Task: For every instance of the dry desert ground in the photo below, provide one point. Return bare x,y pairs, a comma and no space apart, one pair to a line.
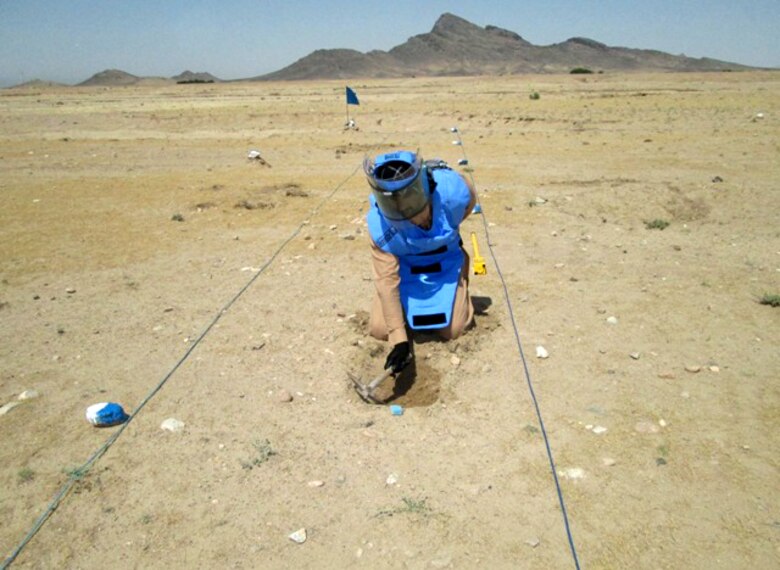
145,260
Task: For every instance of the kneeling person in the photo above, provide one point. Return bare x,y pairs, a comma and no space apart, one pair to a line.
420,269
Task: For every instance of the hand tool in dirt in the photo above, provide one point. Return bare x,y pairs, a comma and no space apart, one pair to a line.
366,391
479,261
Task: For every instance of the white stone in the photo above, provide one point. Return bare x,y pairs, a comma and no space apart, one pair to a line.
612,320
541,352
608,461
572,473
299,536
8,407
598,430
455,361
172,425
28,395
392,479
316,483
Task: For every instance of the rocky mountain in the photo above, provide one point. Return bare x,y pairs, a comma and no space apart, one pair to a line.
457,47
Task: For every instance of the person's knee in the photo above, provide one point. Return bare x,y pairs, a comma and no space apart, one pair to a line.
454,330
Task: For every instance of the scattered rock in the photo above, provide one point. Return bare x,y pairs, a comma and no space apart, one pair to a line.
8,407
541,352
693,369
666,375
70,290
714,369
612,320
455,361
283,396
635,355
28,395
598,430
608,461
316,483
392,479
299,536
249,205
172,425
572,473
533,542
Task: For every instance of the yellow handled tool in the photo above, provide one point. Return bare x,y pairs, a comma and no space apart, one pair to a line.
479,261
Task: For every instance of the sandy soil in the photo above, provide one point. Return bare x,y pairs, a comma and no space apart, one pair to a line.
102,294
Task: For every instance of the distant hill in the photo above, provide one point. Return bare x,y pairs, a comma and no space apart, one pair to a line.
39,84
195,77
457,47
111,77
453,47
116,77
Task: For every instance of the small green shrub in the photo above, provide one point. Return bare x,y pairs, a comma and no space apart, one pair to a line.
581,70
263,452
534,96
411,506
26,475
771,299
657,224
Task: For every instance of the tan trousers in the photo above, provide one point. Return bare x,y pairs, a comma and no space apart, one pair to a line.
462,310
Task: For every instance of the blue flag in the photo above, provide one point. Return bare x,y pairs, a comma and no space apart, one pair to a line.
352,97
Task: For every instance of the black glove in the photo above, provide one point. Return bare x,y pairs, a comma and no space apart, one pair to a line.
398,357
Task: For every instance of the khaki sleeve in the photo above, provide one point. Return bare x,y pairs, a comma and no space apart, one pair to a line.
387,281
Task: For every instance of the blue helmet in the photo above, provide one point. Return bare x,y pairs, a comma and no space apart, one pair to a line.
399,183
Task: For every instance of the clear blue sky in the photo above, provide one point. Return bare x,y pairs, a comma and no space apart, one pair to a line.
70,40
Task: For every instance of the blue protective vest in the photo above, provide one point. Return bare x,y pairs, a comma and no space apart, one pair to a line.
430,261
